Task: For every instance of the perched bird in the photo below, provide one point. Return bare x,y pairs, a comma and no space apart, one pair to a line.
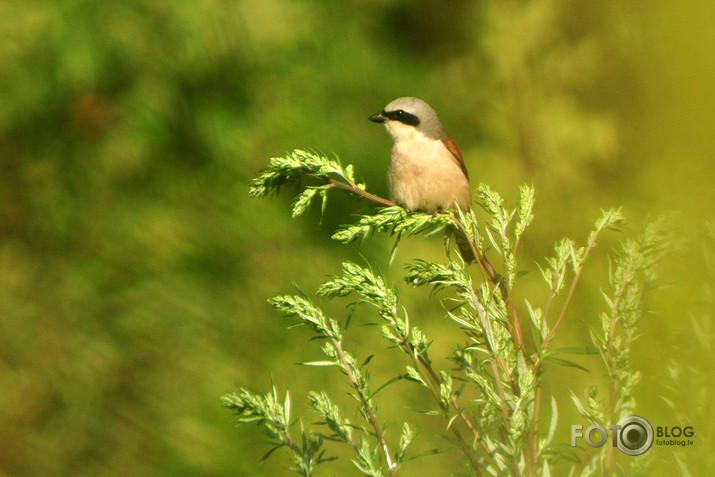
426,171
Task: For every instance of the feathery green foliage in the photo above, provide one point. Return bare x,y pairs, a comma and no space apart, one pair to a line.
393,220
274,416
492,396
293,166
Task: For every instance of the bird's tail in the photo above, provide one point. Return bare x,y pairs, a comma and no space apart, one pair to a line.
470,254
464,245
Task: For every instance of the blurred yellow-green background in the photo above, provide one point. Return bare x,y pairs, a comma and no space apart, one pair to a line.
134,269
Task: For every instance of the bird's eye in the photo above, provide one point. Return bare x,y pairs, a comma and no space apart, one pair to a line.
402,116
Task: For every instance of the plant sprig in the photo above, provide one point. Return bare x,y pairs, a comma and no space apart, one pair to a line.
491,398
299,164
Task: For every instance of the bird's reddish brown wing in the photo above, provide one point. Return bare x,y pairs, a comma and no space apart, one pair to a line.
456,153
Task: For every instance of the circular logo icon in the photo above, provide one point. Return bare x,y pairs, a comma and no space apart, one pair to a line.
635,435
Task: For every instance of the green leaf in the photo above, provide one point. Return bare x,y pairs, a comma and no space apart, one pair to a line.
524,209
565,362
286,407
537,324
426,453
554,421
579,406
573,350
390,381
349,173
367,360
407,435
302,203
319,363
323,203
271,451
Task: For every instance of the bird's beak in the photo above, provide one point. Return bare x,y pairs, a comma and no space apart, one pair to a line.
377,118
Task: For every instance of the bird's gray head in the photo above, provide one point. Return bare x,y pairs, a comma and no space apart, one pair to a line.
408,116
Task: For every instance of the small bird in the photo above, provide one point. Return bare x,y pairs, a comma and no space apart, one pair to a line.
426,171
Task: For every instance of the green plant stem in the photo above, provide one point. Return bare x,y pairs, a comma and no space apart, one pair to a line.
421,364
431,379
537,365
613,384
494,362
481,312
517,329
532,442
500,389
458,408
365,401
572,289
490,274
294,447
549,303
549,336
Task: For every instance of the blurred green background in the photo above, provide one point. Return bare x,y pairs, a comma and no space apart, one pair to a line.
134,269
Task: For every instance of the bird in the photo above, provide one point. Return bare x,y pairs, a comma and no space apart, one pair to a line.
426,171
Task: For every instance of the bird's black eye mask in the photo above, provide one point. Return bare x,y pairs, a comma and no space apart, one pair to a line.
402,116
